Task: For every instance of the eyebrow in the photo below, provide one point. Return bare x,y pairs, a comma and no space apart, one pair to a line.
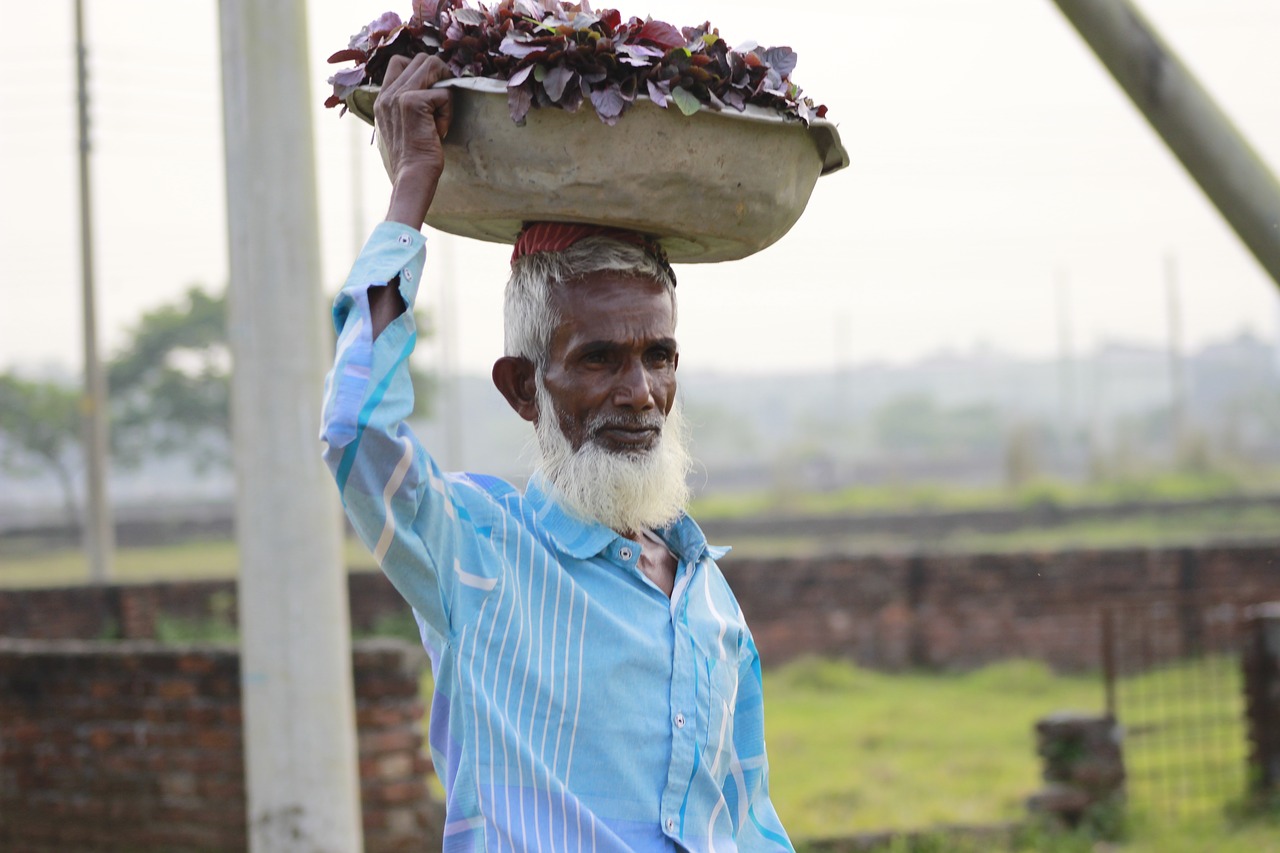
606,344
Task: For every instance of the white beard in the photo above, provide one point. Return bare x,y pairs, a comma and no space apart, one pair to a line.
627,492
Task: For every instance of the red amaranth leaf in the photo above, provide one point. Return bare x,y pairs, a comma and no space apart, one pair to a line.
348,55
470,17
780,59
554,53
519,100
661,33
658,92
609,103
557,80
520,46
347,81
384,25
428,11
520,76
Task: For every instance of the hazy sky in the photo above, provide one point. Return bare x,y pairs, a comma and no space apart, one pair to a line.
992,155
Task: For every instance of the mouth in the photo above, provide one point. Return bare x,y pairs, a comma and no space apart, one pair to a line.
622,437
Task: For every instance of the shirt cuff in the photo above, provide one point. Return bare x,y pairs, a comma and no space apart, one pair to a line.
393,250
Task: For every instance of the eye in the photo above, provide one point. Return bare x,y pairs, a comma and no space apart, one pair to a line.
659,356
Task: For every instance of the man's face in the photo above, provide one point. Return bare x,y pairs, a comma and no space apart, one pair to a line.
611,371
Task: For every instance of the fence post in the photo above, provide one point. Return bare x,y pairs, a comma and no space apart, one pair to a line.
1262,696
1083,770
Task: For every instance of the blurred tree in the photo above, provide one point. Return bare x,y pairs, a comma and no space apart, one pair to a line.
171,383
40,424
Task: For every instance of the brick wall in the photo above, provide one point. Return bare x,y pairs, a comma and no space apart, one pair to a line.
958,611
130,611
131,746
941,611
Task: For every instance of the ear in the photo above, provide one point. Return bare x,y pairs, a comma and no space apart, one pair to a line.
513,376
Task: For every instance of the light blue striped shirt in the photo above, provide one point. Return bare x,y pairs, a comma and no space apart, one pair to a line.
577,707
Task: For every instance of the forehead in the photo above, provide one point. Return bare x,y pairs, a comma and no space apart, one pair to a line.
613,306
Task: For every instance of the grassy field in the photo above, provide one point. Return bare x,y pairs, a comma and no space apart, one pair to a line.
1157,529
23,564
1166,486
857,751
853,751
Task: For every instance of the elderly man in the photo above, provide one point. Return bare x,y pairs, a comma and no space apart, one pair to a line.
596,686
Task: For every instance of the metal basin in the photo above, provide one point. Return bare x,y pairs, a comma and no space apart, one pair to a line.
714,186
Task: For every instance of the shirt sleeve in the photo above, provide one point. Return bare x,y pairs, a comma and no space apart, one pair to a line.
393,492
761,830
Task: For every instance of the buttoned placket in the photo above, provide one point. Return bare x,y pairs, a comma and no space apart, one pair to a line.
684,697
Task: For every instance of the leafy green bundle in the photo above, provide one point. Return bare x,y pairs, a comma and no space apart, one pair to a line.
552,53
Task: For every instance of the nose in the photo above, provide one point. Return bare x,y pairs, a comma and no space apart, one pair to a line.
634,389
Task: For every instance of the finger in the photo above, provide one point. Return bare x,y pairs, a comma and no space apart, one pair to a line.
427,74
426,105
439,104
396,71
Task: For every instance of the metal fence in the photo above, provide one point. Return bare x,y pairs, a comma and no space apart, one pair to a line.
1174,682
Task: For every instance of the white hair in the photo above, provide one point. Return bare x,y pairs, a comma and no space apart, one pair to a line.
627,492
529,311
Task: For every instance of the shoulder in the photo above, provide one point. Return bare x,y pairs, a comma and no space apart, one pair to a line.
495,488
482,494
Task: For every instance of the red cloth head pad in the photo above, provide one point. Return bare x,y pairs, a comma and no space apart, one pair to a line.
558,236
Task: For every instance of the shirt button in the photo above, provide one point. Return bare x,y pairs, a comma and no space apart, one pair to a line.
671,825
405,240
679,721
624,553
408,275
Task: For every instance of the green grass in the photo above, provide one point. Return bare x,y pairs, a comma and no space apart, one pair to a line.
1165,529
1159,486
853,751
856,751
1155,529
23,564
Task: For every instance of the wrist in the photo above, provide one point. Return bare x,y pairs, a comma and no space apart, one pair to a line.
411,197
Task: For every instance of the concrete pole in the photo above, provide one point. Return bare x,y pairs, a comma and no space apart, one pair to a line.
359,142
300,751
1229,171
453,432
1177,367
1066,368
99,527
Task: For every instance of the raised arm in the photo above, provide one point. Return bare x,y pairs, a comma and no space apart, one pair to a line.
396,497
413,119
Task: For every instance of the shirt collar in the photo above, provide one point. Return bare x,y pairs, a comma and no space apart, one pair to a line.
582,538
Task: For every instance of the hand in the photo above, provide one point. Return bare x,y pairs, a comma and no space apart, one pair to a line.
413,119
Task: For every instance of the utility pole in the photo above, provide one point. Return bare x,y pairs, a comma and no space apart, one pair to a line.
99,528
299,718
1177,366
1066,369
1210,147
359,143
453,435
